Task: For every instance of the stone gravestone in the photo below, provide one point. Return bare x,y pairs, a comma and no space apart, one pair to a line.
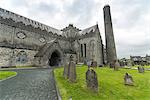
94,64
112,65
91,80
72,70
116,65
89,63
66,74
128,80
141,69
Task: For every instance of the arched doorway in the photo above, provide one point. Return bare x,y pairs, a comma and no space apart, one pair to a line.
55,59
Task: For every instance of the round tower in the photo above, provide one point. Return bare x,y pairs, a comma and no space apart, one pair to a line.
109,36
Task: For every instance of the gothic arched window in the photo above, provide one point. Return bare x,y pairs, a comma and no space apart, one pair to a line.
92,47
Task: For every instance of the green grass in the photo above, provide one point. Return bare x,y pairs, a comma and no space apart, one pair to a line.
111,85
136,66
146,66
6,74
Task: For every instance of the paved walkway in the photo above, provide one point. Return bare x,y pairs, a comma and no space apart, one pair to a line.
29,84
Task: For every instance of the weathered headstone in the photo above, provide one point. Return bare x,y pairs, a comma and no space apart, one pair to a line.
116,65
66,74
112,65
128,80
141,69
91,80
89,63
72,70
94,64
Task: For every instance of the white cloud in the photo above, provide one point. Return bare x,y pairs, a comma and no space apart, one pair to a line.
130,19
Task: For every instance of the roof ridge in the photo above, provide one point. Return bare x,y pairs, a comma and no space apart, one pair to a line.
89,29
27,21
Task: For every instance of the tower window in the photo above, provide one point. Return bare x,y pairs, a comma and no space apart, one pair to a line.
81,50
84,50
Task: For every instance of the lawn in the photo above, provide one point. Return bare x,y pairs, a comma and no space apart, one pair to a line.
136,66
6,74
111,85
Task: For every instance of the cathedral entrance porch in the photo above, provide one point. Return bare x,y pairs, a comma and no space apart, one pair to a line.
55,59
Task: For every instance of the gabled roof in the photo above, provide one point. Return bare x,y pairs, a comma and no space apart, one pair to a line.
44,48
88,30
5,14
70,31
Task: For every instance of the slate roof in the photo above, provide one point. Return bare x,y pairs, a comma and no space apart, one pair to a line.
139,58
88,30
5,14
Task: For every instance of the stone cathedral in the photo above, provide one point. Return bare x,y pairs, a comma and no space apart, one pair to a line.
25,42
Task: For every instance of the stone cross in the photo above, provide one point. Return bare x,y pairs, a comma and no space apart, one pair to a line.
128,80
91,80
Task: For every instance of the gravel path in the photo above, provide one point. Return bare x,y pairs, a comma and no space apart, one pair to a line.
29,84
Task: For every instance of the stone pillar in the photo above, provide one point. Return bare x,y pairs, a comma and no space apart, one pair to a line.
110,42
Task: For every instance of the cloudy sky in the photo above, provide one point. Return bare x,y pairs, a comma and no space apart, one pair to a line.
131,19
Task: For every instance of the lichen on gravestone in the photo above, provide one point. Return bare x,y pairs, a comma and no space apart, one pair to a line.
128,80
70,70
141,69
91,80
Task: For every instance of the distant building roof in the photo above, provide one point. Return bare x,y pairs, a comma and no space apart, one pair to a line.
136,58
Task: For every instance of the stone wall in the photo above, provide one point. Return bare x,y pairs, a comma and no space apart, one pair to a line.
16,57
22,38
5,56
93,48
20,41
18,46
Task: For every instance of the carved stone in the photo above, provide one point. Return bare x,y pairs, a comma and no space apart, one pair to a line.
94,64
91,80
70,69
141,69
66,74
128,80
116,65
72,72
